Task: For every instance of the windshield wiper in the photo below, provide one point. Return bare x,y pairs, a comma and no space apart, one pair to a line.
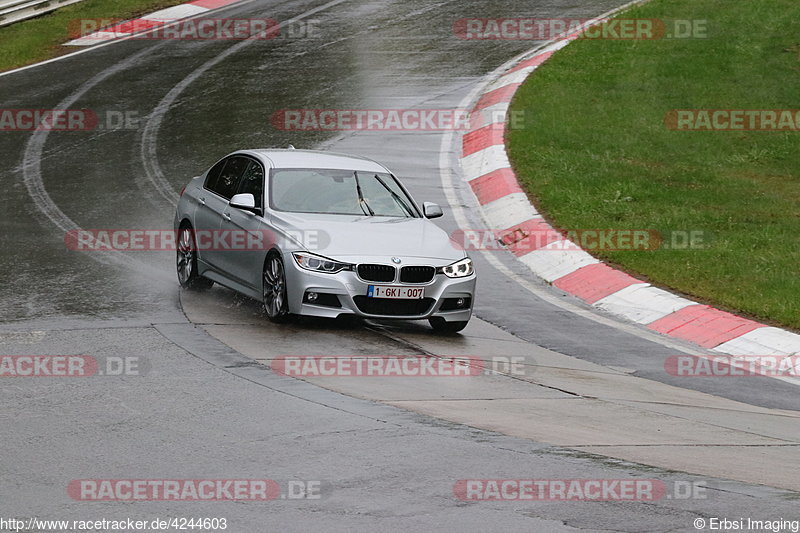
396,197
361,202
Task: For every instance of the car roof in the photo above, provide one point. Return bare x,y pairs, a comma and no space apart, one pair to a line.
292,158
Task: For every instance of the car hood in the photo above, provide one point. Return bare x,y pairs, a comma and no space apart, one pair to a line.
347,237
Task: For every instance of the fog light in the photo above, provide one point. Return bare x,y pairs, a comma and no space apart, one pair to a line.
460,302
311,296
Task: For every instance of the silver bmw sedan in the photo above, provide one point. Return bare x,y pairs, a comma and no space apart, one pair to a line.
321,234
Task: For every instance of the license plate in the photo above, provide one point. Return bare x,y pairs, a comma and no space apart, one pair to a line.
396,293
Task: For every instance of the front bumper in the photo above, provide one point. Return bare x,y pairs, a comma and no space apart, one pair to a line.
351,292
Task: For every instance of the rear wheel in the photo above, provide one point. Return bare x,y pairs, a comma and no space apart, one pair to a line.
441,325
186,261
276,302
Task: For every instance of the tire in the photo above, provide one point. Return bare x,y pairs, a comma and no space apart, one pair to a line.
274,295
440,325
186,261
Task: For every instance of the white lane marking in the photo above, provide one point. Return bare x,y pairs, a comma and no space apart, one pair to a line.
32,178
543,293
32,158
149,140
101,45
447,175
783,341
448,183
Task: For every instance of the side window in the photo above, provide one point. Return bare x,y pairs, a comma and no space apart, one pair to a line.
213,175
253,182
228,179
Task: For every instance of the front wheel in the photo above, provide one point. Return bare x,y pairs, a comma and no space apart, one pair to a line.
441,325
186,262
276,302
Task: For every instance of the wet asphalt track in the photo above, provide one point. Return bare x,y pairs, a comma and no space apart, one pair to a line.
201,412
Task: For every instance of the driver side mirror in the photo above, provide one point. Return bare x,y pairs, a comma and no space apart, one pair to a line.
245,202
431,210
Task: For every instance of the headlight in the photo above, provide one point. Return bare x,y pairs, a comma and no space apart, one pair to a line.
459,269
317,263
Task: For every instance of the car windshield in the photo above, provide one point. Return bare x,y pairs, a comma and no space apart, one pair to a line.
339,192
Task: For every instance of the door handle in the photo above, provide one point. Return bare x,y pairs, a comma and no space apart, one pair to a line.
226,216
203,200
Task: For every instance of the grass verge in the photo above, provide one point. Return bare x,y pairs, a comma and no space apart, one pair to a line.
597,153
40,38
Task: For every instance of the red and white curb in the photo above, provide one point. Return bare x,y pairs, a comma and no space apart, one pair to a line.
505,208
150,21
